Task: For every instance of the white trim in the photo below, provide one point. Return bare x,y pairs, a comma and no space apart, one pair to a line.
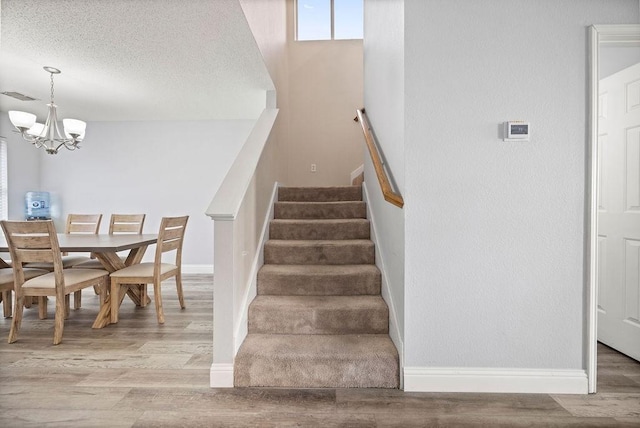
617,35
197,269
461,379
592,250
242,324
4,180
221,376
394,326
356,172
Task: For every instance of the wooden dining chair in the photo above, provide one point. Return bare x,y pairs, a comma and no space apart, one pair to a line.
76,224
37,242
81,224
119,224
7,286
170,239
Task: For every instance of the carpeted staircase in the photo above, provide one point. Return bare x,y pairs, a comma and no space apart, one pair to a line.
318,319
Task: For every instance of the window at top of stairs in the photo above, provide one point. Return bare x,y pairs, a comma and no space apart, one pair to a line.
329,19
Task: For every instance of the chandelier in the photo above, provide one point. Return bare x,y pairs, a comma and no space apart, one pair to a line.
48,136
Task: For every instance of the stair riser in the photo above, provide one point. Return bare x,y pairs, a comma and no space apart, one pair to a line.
320,194
329,372
318,285
264,320
320,254
289,210
304,230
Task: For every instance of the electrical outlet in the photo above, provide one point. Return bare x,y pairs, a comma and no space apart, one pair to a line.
313,167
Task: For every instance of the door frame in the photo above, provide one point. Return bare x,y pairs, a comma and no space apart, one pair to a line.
608,35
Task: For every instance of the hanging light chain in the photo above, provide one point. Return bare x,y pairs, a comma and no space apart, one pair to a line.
51,88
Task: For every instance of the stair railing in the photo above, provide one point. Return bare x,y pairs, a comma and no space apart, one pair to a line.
240,209
387,191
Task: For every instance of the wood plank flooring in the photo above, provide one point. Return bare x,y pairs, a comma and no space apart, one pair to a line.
141,374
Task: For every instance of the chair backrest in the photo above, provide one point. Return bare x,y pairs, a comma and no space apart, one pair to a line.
83,223
126,223
170,238
33,242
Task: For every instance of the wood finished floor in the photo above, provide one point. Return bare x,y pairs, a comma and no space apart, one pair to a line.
141,374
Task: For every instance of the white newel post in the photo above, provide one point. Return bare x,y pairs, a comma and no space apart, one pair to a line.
221,375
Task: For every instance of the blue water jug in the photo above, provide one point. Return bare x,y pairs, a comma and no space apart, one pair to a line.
37,206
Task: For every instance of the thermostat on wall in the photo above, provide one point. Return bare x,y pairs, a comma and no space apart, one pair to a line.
516,131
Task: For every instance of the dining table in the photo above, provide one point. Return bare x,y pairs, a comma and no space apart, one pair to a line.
105,247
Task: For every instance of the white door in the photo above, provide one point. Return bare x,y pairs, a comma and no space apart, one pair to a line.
619,211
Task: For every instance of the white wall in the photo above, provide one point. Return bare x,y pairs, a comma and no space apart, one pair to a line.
159,168
319,87
23,168
495,231
268,22
384,104
325,90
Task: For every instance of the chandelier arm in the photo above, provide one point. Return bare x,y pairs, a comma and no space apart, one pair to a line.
67,144
27,137
39,143
62,144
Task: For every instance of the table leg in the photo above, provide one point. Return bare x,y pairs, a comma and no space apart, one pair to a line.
112,263
104,315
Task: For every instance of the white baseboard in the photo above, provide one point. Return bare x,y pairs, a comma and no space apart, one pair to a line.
530,381
197,269
355,173
221,376
394,326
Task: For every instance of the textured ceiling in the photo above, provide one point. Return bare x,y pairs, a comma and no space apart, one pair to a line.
132,59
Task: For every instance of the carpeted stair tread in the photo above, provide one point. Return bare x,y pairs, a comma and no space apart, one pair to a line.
357,228
318,252
318,320
319,280
320,194
317,361
318,315
320,210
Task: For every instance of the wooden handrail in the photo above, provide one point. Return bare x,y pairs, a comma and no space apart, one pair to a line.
387,191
